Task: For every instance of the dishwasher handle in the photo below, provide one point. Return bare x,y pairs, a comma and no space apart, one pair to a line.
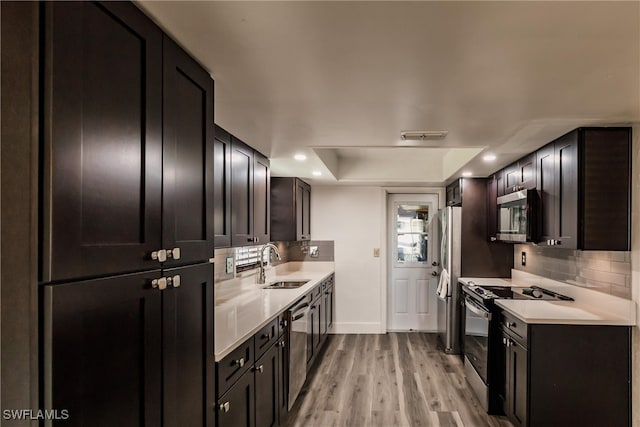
300,312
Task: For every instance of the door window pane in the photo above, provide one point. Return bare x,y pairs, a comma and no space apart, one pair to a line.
412,233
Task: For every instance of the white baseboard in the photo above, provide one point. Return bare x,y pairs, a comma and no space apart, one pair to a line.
357,328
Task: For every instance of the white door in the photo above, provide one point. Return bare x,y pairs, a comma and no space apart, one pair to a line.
412,285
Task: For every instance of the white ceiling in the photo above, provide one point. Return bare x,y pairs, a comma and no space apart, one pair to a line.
334,79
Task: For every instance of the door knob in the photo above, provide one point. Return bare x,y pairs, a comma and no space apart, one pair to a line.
434,264
434,273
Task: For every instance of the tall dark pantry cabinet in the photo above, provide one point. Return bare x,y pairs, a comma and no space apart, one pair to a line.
126,226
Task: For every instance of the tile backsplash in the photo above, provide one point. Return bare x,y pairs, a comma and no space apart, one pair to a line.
604,271
289,251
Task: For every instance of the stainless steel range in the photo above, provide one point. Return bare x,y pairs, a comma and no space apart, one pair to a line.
483,360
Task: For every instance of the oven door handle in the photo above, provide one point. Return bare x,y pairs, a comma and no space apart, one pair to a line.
475,308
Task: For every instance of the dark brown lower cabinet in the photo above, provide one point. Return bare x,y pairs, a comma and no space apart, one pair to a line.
566,375
515,399
236,408
259,396
267,375
121,352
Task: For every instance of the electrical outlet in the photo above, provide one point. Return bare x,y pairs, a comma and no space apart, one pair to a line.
229,268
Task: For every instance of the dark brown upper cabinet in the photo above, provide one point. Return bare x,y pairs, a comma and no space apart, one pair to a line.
585,186
290,209
222,187
102,177
250,194
188,146
520,175
454,193
492,208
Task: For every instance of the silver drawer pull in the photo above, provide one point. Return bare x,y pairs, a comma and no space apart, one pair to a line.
267,336
160,256
259,368
225,407
174,253
160,283
239,362
511,324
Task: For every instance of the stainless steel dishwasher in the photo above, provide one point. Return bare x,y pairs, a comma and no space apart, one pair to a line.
298,316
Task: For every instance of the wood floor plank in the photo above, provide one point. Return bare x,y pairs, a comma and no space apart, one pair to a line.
395,379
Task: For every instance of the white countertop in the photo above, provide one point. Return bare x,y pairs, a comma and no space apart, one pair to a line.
242,306
589,308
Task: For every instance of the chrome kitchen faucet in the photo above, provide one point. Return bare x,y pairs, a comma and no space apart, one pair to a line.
261,276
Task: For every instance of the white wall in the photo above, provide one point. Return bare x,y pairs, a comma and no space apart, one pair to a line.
635,273
353,218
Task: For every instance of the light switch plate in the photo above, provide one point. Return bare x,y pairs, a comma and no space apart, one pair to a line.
229,267
376,252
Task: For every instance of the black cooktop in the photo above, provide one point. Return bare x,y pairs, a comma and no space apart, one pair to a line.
486,294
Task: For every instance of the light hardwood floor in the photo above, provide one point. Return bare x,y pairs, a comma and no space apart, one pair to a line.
396,379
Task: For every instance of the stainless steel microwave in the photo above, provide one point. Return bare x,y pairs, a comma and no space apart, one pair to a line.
518,216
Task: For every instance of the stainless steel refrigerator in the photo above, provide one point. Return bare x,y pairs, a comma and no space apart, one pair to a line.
450,226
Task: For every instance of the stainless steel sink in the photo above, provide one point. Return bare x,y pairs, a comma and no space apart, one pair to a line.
286,284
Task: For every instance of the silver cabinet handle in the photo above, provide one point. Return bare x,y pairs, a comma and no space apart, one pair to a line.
173,253
160,255
282,344
174,281
267,336
493,239
259,368
511,324
239,362
160,283
225,407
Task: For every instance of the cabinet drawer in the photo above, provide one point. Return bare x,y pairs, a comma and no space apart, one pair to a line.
265,337
230,368
514,327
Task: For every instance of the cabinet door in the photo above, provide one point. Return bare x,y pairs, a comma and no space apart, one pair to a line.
306,212
188,354
566,152
283,377
324,321
492,208
330,308
512,178
103,140
518,387
515,382
236,408
311,332
267,373
187,195
527,172
103,347
222,188
500,183
299,206
545,158
261,197
241,193
317,322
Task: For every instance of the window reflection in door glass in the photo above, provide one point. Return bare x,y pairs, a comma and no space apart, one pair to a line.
412,233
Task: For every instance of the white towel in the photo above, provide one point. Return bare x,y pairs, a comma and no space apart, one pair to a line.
443,285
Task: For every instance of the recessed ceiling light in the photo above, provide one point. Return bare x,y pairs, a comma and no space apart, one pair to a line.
300,157
489,157
316,173
467,173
